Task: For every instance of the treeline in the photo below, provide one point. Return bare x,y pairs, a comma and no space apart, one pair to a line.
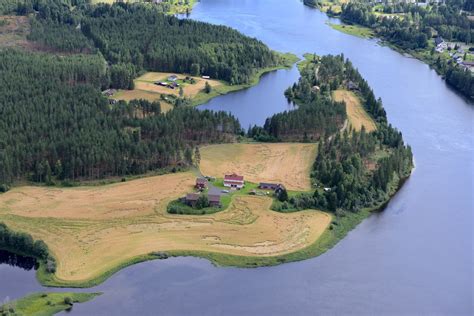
417,25
56,125
141,36
317,115
25,244
353,170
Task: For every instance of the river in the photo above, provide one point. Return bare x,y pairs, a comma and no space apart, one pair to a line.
416,257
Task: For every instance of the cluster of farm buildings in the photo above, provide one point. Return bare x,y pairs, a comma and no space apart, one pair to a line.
232,181
456,53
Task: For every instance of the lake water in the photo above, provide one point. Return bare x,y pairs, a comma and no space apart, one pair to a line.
416,257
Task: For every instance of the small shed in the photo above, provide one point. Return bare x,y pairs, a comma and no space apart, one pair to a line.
201,183
172,78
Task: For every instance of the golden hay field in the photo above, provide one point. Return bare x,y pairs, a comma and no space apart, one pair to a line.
146,89
356,113
91,230
287,163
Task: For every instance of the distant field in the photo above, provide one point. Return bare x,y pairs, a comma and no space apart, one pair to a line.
287,163
92,230
146,89
355,111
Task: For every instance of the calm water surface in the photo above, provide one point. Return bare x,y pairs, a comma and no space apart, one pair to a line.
414,258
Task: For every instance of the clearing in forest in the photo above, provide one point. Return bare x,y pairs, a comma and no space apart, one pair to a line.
356,113
13,31
145,88
92,230
286,163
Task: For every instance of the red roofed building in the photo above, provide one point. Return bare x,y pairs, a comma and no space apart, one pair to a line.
234,181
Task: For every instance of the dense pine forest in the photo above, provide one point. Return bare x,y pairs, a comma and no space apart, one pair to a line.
353,169
56,125
412,27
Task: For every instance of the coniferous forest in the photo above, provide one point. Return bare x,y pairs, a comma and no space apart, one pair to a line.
353,169
56,125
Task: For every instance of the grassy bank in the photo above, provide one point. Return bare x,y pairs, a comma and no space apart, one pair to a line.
355,30
45,304
287,61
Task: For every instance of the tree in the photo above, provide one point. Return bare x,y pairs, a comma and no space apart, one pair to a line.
207,88
188,156
283,195
197,156
202,202
181,92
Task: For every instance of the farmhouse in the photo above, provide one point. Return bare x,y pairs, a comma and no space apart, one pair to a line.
234,181
201,183
191,198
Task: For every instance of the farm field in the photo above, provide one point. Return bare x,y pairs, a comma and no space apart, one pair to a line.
356,113
93,230
286,163
145,88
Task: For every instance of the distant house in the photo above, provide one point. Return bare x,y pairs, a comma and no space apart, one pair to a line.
172,78
234,181
206,77
438,40
109,92
270,186
214,200
192,198
201,183
352,85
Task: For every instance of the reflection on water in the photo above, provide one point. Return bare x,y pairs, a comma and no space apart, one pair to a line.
14,260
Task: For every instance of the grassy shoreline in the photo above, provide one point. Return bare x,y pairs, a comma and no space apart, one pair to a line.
46,304
337,230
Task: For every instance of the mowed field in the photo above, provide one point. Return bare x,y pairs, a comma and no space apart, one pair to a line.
92,230
356,113
145,88
287,163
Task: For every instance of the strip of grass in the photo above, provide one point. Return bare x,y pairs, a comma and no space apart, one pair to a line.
45,304
355,30
287,61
